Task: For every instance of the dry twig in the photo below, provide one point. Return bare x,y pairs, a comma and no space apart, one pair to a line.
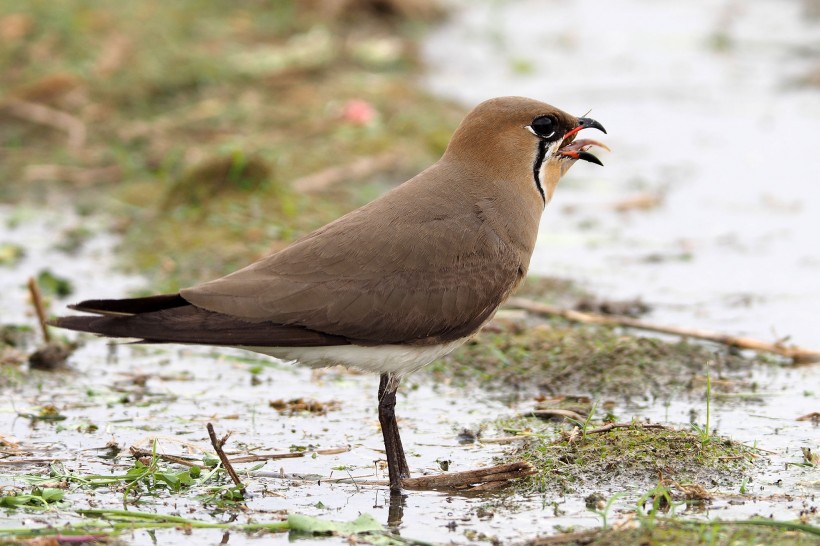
611,426
577,537
359,169
33,460
547,413
692,491
78,176
504,439
51,117
137,452
37,301
289,455
799,355
224,458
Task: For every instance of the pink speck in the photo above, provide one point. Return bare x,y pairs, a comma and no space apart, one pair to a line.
359,112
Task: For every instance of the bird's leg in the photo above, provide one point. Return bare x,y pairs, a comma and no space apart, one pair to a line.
396,462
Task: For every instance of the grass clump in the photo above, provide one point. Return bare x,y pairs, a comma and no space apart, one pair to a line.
558,357
719,533
635,455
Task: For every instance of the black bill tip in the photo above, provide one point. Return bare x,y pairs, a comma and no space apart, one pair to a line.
589,123
586,156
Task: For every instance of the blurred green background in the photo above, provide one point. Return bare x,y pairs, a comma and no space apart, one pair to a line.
209,125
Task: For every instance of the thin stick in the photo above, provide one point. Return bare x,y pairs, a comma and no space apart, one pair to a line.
357,170
578,537
546,413
504,439
51,117
274,456
611,426
34,460
137,452
271,456
799,355
224,458
78,176
37,301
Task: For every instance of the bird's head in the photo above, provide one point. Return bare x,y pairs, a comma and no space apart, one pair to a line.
525,140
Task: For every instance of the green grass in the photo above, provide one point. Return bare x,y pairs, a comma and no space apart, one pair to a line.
199,116
704,432
557,357
100,524
696,533
569,462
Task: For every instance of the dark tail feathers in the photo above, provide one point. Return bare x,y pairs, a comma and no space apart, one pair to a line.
170,319
131,306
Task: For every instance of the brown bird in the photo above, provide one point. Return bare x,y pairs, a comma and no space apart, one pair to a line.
395,284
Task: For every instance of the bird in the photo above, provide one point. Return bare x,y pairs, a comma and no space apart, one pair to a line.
393,285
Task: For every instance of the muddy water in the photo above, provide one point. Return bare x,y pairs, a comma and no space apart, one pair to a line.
40,233
703,113
188,387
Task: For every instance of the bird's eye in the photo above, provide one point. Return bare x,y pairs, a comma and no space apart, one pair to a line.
544,126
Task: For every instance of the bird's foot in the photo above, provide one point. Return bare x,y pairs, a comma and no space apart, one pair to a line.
480,479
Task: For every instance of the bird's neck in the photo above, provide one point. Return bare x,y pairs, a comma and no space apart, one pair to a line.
507,201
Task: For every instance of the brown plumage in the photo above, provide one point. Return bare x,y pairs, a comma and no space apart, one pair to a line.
396,283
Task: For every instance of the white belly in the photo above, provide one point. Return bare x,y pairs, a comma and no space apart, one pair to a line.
395,359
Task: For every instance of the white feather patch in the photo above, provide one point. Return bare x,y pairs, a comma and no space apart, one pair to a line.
396,359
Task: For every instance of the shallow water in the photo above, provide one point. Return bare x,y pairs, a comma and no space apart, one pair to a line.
190,387
187,387
702,110
40,232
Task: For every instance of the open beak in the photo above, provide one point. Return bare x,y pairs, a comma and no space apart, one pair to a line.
577,149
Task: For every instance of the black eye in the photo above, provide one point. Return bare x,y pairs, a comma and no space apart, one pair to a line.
544,126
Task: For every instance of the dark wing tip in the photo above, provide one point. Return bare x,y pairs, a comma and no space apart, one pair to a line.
130,306
91,324
198,326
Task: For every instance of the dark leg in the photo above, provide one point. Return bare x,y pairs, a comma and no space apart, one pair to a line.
396,462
